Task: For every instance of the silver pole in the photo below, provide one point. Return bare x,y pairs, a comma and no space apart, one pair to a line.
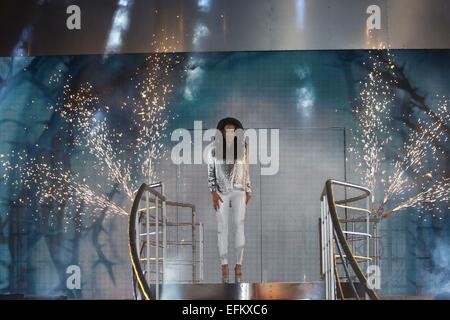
368,240
201,250
164,225
157,247
331,256
147,226
327,249
368,229
138,235
193,247
138,249
322,226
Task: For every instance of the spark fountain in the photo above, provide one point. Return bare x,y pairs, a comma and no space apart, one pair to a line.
417,177
86,117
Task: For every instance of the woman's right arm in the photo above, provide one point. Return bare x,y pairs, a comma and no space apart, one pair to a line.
212,181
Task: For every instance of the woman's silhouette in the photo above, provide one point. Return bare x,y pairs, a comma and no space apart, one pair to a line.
229,183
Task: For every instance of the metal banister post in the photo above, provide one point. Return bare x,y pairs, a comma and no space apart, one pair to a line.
201,250
157,248
147,238
194,276
368,239
137,228
331,256
164,227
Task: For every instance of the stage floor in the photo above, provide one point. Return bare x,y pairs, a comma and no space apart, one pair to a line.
242,291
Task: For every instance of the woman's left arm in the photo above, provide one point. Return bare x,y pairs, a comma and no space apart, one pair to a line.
248,184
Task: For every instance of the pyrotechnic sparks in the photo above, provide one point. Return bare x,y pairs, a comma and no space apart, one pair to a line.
94,137
423,147
50,182
416,176
123,163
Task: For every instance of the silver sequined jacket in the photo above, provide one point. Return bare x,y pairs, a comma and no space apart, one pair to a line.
224,181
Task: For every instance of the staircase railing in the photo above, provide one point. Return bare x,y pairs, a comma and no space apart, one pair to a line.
147,232
337,242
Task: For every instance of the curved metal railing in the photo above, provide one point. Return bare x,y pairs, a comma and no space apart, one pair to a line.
132,242
135,248
334,238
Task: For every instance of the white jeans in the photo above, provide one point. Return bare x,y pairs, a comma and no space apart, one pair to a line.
232,202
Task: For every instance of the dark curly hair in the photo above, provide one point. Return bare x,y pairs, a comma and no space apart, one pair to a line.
221,127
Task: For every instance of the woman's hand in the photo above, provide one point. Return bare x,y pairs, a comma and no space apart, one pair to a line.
247,197
216,200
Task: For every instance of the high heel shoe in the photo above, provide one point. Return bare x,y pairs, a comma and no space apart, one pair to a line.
238,273
225,274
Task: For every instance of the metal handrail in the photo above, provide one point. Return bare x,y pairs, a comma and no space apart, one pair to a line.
172,203
137,269
138,273
349,185
339,234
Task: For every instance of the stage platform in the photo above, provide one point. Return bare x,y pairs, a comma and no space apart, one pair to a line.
242,291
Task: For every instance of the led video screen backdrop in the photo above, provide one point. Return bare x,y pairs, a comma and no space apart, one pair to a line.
80,134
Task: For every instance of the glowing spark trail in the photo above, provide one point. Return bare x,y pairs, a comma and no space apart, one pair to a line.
122,163
416,177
